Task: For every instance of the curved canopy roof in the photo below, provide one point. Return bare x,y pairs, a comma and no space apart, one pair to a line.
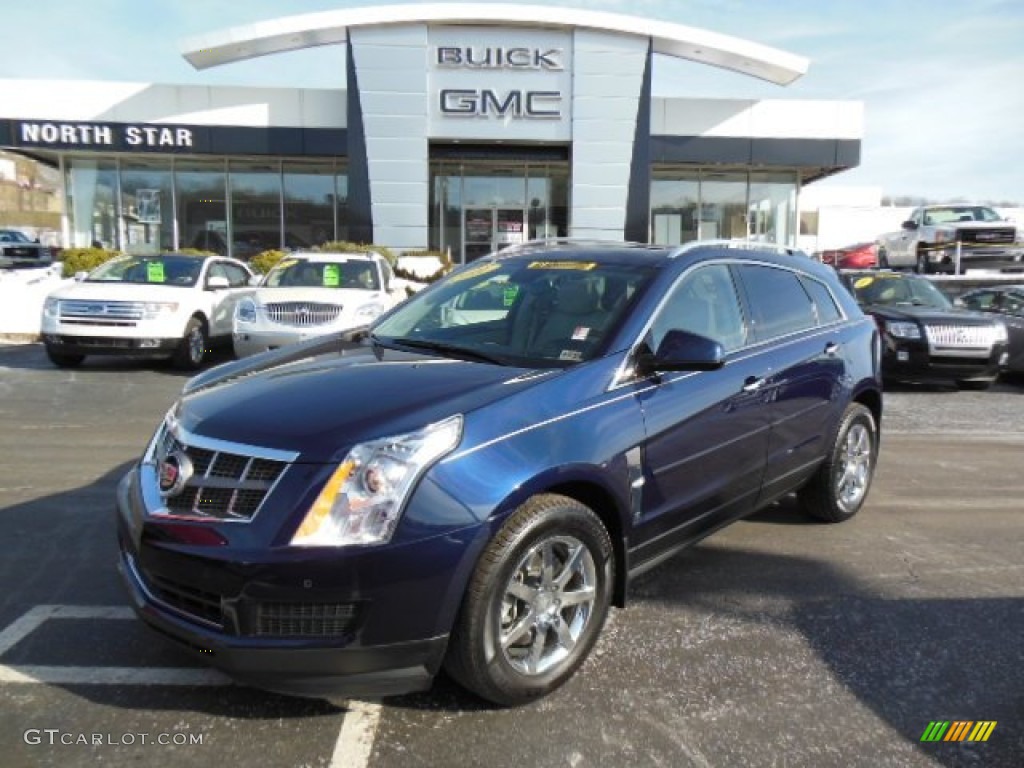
292,33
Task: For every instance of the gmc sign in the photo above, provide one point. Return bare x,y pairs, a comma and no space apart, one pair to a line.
486,103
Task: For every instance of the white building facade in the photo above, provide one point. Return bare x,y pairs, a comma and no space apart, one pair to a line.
460,128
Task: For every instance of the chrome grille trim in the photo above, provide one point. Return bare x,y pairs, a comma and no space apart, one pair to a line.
115,313
302,314
960,339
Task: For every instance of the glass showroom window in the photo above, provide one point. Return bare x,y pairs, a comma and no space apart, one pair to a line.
202,208
147,208
91,186
255,207
773,207
723,206
674,207
309,204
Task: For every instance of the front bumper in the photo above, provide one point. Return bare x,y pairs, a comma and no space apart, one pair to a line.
308,622
109,345
248,343
943,258
911,360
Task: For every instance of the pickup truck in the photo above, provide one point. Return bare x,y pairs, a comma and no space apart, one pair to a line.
929,240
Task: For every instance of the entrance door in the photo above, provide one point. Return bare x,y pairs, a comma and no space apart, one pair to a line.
485,230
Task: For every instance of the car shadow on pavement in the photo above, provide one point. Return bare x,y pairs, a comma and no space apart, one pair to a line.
31,357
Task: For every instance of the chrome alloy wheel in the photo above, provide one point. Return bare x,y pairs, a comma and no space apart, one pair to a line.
196,345
547,604
855,466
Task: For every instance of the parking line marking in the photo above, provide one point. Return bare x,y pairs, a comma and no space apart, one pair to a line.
355,741
31,620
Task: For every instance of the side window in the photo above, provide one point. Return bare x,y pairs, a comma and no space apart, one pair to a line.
983,300
216,270
1013,304
778,302
237,277
828,312
703,302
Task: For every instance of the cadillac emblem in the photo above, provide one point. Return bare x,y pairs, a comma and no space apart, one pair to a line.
174,471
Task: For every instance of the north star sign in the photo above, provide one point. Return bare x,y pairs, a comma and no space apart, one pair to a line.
488,102
91,135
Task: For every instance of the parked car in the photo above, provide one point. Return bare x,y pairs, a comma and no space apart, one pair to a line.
857,256
1007,303
312,294
171,305
348,514
18,250
925,338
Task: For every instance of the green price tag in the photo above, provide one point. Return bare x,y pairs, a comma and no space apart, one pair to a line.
511,291
155,272
332,275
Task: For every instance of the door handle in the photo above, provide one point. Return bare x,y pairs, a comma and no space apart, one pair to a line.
752,384
831,349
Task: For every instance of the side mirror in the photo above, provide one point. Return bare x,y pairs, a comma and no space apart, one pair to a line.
683,351
958,302
80,276
217,283
911,225
255,280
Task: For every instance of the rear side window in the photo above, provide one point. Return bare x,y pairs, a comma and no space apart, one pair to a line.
828,312
778,302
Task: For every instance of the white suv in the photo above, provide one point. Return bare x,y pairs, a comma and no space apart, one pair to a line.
311,294
173,305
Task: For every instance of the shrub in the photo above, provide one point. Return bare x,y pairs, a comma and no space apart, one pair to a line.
340,246
264,261
194,252
84,259
417,276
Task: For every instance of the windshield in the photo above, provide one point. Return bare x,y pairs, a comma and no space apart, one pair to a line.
518,311
11,236
893,290
180,271
343,273
954,213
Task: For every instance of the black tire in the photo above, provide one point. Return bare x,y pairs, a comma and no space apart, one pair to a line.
63,359
505,591
883,258
193,347
977,386
833,494
921,266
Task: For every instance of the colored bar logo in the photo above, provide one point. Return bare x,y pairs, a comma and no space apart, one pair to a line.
958,730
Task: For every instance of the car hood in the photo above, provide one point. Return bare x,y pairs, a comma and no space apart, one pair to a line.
355,297
320,407
928,314
121,292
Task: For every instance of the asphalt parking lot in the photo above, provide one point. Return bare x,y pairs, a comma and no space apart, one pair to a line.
775,642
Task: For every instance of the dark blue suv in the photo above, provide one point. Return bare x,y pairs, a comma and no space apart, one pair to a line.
473,481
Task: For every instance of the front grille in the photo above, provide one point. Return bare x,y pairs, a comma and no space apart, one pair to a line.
105,342
951,339
185,599
992,236
303,314
224,485
304,619
109,313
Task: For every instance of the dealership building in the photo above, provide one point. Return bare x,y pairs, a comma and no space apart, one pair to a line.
455,127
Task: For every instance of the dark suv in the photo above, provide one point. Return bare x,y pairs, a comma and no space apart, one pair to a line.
473,481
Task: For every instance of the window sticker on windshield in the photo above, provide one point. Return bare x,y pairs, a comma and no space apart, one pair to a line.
864,282
332,275
581,265
155,272
509,295
580,334
571,354
469,274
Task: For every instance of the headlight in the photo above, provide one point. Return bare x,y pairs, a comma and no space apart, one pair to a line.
245,311
903,330
1002,336
369,312
361,502
51,307
945,235
153,309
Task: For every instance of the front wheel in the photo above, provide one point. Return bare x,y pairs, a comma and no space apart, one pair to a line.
63,359
535,604
838,489
193,346
921,267
883,258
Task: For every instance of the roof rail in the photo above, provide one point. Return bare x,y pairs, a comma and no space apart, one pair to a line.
542,241
747,245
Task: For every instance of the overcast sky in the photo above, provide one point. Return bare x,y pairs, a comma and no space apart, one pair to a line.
942,81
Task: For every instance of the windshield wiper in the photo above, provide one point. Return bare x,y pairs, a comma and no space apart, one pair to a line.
452,350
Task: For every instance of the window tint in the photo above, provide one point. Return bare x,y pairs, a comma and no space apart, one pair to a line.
704,302
778,303
983,300
237,277
1013,304
828,312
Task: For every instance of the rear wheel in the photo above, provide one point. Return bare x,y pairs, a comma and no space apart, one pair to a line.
192,348
839,487
63,359
535,604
